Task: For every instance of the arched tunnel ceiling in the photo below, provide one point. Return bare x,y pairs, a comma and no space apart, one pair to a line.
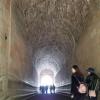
51,28
52,16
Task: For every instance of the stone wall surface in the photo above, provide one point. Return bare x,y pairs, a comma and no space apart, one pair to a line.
88,49
4,44
36,33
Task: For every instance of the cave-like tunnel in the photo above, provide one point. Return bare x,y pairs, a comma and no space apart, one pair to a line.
42,39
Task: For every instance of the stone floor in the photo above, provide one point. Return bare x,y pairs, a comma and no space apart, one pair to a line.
45,97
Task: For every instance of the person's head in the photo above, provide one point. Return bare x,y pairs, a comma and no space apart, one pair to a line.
90,70
75,69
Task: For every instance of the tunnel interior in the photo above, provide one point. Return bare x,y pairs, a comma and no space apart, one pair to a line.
46,38
48,34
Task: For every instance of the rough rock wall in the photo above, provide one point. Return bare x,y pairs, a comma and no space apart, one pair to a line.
88,50
4,43
51,28
21,61
39,25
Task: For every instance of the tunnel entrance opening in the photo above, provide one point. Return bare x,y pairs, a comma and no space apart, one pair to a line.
50,60
46,80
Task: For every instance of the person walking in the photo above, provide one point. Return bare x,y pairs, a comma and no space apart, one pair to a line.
42,89
93,82
53,87
76,78
46,89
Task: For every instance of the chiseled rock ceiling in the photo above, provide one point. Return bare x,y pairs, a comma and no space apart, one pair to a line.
47,23
52,17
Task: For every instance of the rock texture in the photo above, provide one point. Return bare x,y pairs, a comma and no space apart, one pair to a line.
4,45
88,49
38,35
49,31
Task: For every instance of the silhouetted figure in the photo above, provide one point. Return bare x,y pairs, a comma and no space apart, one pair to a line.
93,83
76,77
53,88
46,89
42,89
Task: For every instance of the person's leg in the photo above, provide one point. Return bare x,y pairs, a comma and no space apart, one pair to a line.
92,98
50,91
46,91
97,95
54,90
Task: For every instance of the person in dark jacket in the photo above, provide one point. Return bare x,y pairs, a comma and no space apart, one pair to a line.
46,89
76,77
92,81
53,87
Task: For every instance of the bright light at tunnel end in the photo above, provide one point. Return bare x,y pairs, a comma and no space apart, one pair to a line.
46,80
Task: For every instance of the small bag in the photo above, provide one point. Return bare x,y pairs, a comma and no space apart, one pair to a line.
92,93
82,87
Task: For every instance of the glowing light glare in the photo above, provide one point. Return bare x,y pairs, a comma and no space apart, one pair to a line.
45,65
46,80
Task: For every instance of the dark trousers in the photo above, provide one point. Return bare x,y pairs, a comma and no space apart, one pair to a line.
92,98
79,97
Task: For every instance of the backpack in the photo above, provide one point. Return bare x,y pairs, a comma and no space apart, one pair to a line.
82,88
